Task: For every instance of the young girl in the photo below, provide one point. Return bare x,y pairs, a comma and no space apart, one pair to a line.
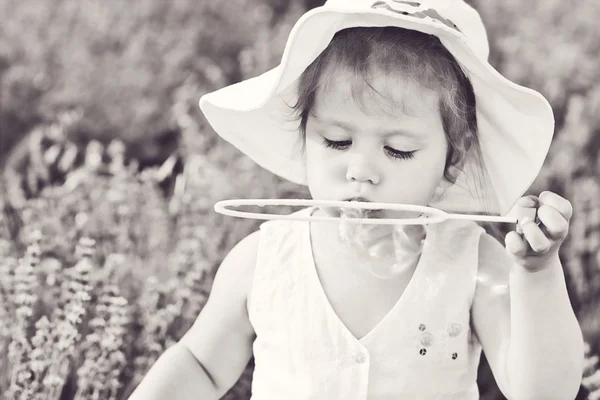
395,103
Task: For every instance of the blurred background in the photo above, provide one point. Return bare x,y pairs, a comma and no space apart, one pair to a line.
108,239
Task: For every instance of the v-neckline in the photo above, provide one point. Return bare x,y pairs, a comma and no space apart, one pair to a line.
309,254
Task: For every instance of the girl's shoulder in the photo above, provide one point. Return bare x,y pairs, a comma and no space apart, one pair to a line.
241,259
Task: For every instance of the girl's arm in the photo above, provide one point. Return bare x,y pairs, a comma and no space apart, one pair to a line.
527,327
521,310
211,356
176,375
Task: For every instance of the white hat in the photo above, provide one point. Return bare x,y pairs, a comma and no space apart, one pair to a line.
516,124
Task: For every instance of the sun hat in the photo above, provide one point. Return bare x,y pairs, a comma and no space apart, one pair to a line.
516,124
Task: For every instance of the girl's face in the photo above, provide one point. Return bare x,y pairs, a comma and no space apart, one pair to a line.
388,149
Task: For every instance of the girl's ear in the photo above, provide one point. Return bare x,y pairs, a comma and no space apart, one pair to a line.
448,179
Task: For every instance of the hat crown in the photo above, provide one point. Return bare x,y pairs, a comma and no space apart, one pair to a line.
455,14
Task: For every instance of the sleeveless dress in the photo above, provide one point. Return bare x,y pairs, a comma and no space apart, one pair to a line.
422,349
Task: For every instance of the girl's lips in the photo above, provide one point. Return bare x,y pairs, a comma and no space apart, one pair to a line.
358,198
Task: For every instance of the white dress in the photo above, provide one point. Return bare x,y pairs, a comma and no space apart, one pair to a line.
422,349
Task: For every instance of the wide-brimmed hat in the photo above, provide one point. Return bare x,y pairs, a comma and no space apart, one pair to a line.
515,123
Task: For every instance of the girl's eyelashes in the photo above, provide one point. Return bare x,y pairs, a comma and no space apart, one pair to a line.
337,144
403,155
345,144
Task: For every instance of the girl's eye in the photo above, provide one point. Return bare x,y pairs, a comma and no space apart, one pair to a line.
337,144
345,144
403,155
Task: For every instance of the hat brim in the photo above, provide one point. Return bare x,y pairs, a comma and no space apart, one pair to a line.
516,124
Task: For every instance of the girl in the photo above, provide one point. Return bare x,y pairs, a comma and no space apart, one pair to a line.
394,101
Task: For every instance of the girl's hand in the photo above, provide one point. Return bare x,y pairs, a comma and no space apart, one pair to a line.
540,240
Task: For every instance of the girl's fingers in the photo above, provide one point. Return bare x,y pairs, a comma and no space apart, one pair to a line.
525,207
562,205
542,231
535,237
554,222
529,201
516,244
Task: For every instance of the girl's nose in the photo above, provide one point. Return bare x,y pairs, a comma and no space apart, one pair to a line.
360,170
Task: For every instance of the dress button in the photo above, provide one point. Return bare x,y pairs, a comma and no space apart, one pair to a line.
454,330
360,358
427,339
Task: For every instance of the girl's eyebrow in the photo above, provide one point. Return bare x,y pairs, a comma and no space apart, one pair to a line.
349,127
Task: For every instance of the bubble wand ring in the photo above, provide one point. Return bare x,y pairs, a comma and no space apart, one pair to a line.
429,215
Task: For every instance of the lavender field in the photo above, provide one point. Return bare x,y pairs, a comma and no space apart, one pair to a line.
109,173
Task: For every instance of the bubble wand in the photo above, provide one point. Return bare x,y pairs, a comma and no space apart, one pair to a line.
426,215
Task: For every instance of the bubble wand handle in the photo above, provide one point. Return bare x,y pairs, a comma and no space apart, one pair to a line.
484,218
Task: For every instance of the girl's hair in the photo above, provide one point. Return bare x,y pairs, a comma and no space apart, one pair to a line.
415,56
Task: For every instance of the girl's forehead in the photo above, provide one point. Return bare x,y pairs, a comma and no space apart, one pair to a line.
391,95
379,104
